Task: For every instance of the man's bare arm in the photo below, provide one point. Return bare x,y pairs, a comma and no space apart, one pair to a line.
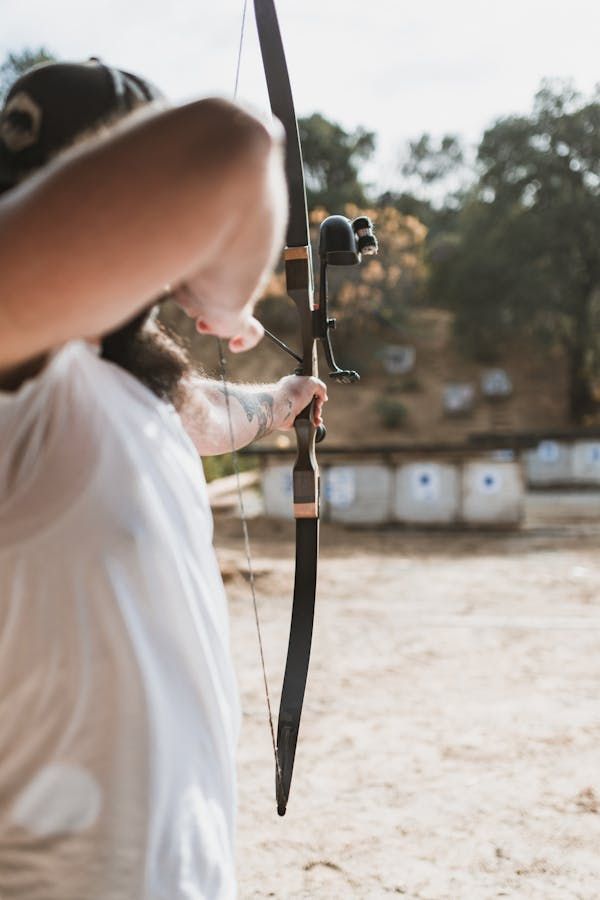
164,197
256,410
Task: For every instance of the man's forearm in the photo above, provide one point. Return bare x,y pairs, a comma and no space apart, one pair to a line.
255,411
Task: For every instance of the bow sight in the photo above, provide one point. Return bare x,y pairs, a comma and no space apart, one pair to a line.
342,242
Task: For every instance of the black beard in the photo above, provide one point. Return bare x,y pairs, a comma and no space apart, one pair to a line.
144,349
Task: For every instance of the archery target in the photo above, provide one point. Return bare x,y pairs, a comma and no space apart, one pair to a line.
425,483
359,494
548,452
550,463
586,462
492,493
426,493
340,487
593,454
277,491
490,481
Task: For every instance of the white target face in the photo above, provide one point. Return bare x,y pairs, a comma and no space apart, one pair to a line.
425,484
340,487
489,481
593,455
548,452
286,483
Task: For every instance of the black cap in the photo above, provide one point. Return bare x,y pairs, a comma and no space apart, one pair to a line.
53,104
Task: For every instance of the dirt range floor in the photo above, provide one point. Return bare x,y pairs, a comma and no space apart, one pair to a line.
450,740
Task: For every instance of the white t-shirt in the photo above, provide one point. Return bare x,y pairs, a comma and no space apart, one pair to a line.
118,704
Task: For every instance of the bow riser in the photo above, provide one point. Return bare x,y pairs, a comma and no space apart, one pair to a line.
299,283
305,476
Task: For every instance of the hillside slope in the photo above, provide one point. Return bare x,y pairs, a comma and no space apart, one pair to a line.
538,402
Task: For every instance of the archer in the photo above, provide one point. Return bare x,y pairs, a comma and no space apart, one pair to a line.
119,704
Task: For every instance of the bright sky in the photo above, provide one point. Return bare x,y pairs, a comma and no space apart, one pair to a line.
396,68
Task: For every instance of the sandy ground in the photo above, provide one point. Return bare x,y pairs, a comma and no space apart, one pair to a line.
450,741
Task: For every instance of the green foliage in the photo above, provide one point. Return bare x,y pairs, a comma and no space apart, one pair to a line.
437,176
369,300
438,219
391,411
410,385
16,64
331,161
379,294
432,163
522,257
221,466
404,384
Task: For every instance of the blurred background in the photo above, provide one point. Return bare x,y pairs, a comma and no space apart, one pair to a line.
450,730
472,140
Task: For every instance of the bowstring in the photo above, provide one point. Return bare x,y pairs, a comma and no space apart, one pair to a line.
236,470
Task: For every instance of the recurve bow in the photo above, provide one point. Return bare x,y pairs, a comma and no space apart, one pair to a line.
342,242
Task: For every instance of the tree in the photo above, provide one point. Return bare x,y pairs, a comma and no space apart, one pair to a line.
370,301
376,296
431,164
524,255
16,64
331,159
437,175
381,293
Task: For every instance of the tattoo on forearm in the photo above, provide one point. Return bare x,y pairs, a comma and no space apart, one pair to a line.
257,406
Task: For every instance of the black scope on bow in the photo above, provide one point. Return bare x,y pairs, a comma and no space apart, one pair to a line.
342,241
365,236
